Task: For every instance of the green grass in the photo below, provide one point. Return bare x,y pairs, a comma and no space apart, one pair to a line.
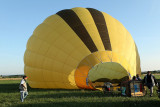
157,76
10,97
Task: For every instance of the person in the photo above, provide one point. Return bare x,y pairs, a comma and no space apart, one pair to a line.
138,77
107,86
134,78
124,87
150,81
23,88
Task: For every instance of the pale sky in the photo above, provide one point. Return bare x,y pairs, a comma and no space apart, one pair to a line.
19,18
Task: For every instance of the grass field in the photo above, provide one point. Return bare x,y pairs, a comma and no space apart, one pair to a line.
157,76
10,97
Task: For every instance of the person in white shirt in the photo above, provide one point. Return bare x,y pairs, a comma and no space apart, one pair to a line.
23,88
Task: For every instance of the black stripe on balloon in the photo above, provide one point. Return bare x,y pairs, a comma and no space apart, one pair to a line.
101,26
71,18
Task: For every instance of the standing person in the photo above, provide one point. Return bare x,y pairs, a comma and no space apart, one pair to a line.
107,86
134,78
150,81
23,88
138,77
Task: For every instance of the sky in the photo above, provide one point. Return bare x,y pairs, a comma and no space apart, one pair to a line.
19,18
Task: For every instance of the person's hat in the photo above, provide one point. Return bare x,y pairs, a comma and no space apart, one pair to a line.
25,77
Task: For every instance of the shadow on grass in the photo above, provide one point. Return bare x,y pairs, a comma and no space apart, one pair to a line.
7,88
14,87
75,93
94,104
55,93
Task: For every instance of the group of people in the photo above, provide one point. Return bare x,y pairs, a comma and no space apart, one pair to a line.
149,81
137,77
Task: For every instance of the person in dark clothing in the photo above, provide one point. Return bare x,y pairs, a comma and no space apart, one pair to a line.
134,78
150,81
138,77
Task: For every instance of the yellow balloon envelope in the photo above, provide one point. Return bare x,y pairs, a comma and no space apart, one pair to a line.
79,46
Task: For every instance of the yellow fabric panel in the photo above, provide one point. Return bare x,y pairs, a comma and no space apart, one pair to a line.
104,56
42,31
37,45
124,63
130,70
92,59
30,58
138,68
34,44
59,72
86,62
52,52
76,54
121,60
121,31
80,77
33,59
132,60
37,75
115,57
128,46
56,22
107,70
58,85
71,78
71,62
34,84
87,20
52,75
51,38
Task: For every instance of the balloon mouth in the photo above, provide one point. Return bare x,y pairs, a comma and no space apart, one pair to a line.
101,66
111,72
108,72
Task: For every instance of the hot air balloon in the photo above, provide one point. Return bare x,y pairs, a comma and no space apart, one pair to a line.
77,47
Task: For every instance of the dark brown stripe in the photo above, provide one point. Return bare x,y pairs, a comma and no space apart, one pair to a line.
101,26
75,23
